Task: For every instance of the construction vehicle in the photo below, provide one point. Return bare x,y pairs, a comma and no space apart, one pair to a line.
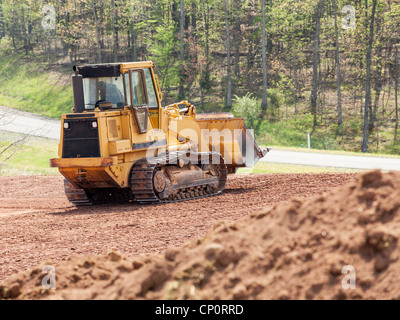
120,144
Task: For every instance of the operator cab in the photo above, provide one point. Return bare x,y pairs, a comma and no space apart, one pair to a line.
105,87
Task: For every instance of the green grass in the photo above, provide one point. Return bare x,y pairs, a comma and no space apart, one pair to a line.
292,133
338,152
31,156
285,125
263,167
28,85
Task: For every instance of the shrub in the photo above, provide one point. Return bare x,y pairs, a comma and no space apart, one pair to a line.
248,108
5,44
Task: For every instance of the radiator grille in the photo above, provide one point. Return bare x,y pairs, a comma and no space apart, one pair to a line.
81,139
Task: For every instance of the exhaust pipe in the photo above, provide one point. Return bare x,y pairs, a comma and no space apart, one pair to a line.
77,86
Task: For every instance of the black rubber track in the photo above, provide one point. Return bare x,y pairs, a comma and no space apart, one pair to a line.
142,179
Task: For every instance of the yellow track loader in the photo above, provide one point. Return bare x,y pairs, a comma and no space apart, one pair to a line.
121,144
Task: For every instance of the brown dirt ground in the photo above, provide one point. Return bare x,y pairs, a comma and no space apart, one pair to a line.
37,222
38,225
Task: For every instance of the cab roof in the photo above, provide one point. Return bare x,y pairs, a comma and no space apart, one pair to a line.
111,69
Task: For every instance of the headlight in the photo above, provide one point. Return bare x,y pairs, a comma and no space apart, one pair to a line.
66,125
94,124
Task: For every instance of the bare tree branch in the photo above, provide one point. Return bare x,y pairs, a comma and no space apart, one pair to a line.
7,116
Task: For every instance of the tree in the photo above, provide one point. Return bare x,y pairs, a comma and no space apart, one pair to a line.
237,39
182,52
368,80
203,32
337,57
2,31
264,103
114,29
228,59
316,60
396,86
97,33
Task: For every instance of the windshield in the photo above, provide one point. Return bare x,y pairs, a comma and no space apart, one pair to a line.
104,89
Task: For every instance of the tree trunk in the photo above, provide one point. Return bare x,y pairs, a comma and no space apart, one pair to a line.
368,85
250,64
315,80
228,59
264,103
13,36
250,50
339,94
194,17
181,25
378,90
25,36
297,89
205,83
134,40
97,32
396,85
2,29
114,30
378,79
237,51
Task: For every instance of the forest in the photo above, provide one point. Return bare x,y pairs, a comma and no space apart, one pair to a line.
328,68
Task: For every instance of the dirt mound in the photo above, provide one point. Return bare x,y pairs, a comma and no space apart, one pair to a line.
296,250
37,223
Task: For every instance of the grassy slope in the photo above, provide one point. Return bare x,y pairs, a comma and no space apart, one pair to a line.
290,129
27,85
31,156
293,133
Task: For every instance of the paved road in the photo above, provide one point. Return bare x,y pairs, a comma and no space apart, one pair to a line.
331,160
27,123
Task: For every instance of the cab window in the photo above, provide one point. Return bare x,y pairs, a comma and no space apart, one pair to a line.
104,89
139,96
150,90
